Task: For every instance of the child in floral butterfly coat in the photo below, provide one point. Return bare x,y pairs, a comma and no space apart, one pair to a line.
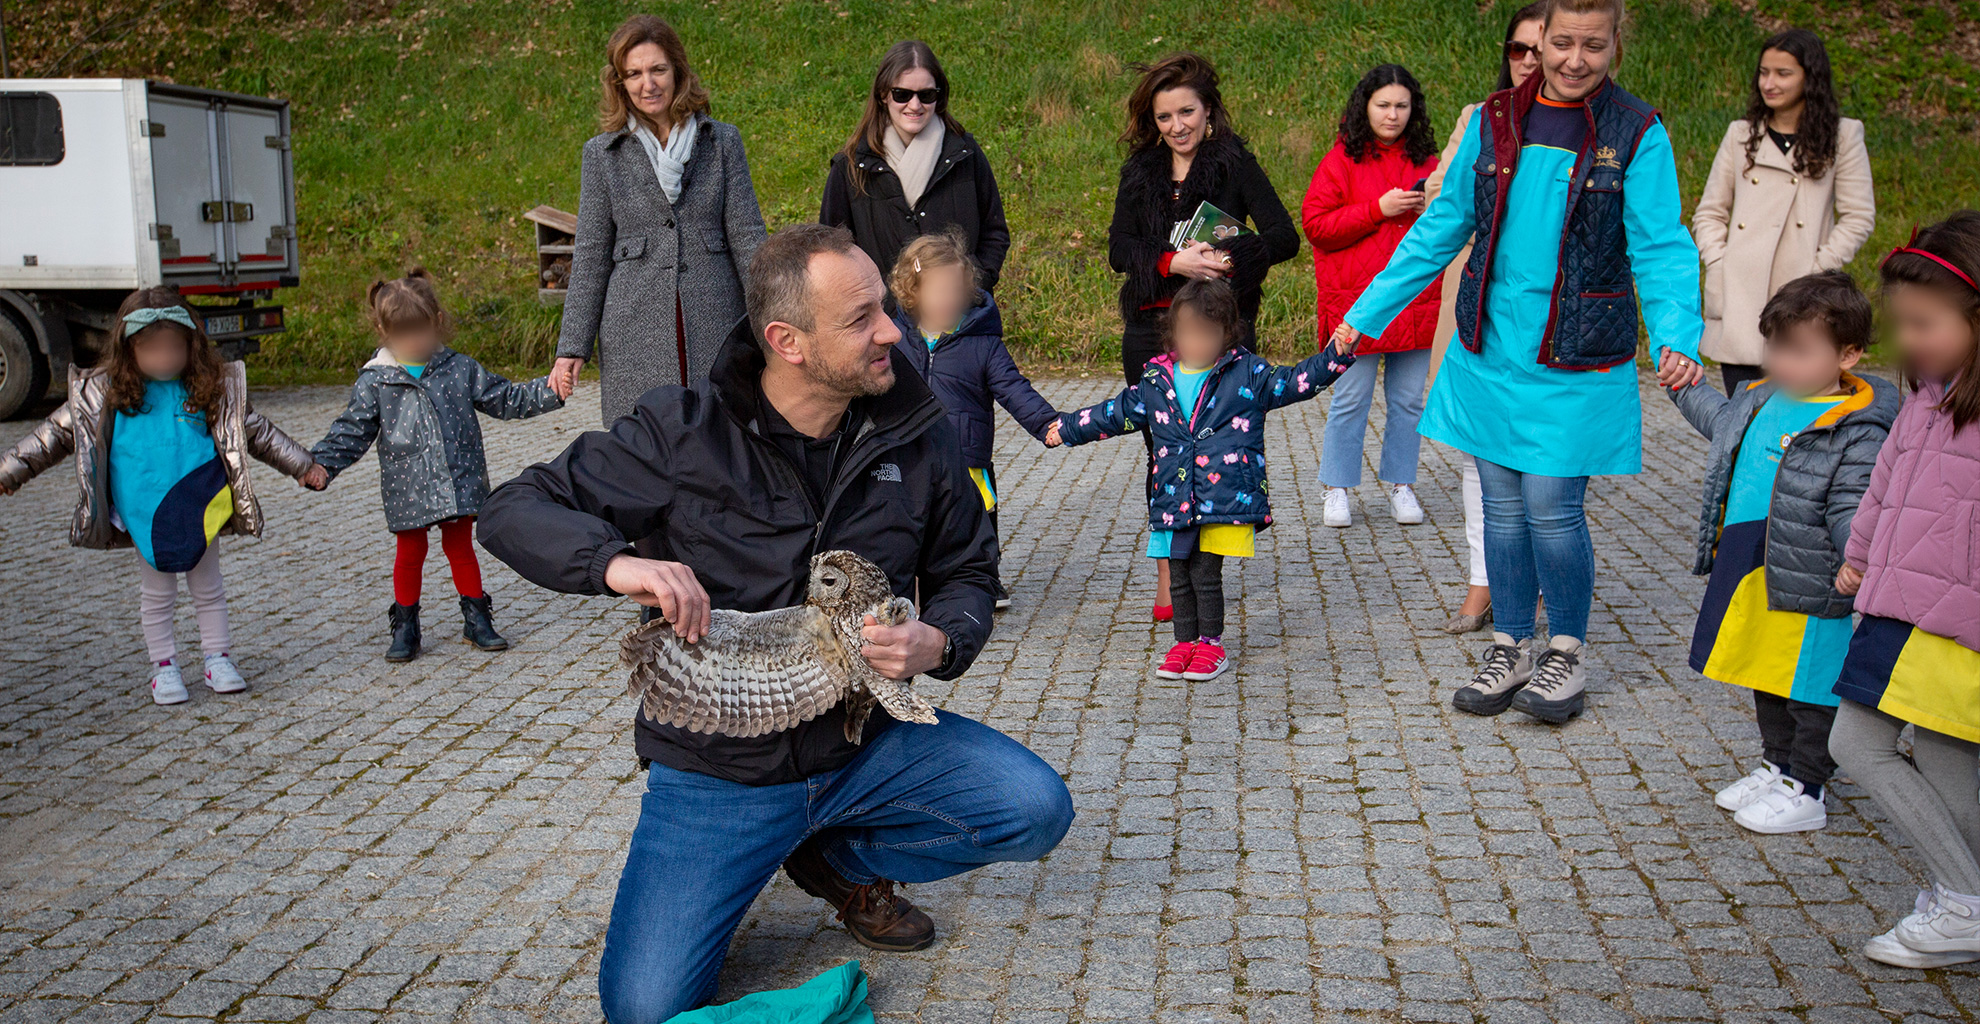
1204,403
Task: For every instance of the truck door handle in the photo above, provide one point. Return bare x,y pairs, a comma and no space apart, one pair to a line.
226,213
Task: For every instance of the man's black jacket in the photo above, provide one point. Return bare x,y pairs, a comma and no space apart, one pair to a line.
691,469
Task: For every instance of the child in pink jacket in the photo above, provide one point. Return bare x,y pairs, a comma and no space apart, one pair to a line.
1913,562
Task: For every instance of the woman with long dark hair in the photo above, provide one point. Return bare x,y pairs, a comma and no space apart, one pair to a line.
910,169
667,223
1365,195
1182,153
1789,194
1519,58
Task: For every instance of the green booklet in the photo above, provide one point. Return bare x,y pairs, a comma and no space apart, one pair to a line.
1209,224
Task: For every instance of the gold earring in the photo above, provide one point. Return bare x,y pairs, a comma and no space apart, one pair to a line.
1209,130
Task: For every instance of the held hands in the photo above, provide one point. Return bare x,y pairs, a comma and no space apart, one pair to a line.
1346,339
1848,580
314,478
1676,372
1052,439
668,586
1201,262
564,378
1398,202
903,651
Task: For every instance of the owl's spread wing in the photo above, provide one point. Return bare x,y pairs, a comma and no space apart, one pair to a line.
754,673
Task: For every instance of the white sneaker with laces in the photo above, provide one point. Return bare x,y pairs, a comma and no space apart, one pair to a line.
1951,925
1334,509
1404,506
167,686
222,676
1748,789
1784,807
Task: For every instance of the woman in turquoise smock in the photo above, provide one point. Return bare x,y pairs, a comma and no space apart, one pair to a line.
1570,185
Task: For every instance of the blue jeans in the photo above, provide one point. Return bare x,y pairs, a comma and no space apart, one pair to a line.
920,803
1347,419
1536,542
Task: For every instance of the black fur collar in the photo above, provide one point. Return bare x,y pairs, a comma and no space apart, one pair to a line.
1145,179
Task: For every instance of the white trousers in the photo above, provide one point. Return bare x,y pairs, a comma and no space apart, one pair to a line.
1474,521
158,593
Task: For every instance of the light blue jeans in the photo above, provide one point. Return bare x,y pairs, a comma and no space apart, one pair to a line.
1536,541
1347,419
919,803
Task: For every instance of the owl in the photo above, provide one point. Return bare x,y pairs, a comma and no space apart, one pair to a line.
763,672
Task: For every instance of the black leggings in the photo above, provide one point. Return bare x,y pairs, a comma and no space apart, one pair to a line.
1196,585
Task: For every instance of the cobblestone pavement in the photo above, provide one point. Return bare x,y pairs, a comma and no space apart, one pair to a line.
1318,837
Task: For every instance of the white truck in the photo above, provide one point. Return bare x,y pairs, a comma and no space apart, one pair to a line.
109,185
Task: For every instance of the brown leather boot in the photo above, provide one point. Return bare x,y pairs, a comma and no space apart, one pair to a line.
877,916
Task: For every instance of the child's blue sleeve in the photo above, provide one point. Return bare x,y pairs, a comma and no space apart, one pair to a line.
1284,385
350,436
1123,414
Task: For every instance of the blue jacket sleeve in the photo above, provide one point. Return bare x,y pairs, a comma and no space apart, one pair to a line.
1123,414
1431,244
1014,392
1305,379
1661,252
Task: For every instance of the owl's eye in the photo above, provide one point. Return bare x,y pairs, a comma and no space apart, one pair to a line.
831,581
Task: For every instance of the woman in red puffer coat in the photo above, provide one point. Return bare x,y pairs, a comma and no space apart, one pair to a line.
1365,195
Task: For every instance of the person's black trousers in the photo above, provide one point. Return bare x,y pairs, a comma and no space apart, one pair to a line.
1794,737
1196,587
1738,375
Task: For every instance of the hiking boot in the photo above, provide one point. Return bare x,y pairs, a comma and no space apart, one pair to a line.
1177,661
1508,665
1208,661
1554,694
478,625
405,632
1748,789
1786,806
877,916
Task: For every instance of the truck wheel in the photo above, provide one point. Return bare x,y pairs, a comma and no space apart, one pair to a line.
23,375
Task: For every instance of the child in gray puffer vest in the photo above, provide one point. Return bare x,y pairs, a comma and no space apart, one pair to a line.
418,399
1791,455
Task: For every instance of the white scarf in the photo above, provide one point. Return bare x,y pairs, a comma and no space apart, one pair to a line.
669,158
914,162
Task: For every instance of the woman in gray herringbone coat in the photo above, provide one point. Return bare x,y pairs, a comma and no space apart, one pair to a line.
667,223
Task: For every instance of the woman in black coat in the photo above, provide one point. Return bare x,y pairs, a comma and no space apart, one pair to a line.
910,169
1181,153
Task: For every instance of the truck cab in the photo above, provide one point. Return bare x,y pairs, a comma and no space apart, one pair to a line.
110,185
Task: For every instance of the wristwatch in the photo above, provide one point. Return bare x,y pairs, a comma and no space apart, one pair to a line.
948,654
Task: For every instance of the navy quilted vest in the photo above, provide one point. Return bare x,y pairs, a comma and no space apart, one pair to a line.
1593,321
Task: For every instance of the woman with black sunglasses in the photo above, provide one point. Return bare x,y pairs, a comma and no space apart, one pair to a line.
909,169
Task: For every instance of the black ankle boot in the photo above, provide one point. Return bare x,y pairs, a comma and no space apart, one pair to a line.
405,632
479,626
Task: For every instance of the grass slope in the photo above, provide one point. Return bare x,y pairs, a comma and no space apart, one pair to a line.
423,129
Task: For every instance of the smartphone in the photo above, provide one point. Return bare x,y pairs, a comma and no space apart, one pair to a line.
1421,184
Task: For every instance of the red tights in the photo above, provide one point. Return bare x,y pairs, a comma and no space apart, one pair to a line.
456,539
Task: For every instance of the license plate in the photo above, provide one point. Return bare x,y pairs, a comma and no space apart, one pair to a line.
224,324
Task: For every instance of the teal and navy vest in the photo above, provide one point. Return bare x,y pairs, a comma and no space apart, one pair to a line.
1593,321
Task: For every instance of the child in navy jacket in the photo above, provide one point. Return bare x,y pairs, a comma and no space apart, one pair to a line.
952,333
1204,403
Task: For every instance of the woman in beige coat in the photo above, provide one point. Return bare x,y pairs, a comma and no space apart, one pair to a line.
1789,194
1520,59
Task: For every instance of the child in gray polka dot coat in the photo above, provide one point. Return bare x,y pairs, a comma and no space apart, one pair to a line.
418,400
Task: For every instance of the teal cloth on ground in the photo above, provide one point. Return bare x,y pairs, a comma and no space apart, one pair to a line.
1501,404
837,996
164,475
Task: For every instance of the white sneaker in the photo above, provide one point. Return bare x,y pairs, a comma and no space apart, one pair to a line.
1334,510
1403,504
167,686
1950,925
222,676
1782,808
1748,789
1886,949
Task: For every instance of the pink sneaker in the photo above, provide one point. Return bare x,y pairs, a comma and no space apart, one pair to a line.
1208,661
1178,660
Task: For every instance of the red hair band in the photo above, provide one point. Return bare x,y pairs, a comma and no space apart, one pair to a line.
1940,260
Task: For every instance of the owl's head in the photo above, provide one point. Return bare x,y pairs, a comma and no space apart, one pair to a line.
841,576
